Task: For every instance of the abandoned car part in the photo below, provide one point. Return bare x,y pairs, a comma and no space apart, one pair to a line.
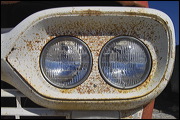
126,60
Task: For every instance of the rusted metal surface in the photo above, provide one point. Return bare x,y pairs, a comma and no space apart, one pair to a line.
15,80
9,2
94,31
148,110
95,27
134,3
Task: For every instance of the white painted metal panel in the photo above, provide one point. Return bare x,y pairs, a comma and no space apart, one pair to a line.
21,48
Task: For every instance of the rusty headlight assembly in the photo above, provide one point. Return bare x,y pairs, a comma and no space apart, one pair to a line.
28,55
65,61
125,62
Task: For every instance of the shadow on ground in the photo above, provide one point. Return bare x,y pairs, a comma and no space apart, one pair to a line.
168,102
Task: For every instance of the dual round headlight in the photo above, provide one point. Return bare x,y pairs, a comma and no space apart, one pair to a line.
66,61
124,62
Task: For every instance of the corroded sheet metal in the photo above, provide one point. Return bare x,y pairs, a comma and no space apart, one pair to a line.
95,31
95,26
148,110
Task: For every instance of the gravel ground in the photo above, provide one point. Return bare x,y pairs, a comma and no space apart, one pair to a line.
166,105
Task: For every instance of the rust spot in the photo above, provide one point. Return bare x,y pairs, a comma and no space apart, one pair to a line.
89,13
37,41
49,38
164,78
13,49
21,33
29,45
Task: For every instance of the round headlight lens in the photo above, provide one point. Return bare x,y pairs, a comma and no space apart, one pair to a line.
125,62
66,61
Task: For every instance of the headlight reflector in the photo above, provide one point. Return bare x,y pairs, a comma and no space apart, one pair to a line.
66,61
125,62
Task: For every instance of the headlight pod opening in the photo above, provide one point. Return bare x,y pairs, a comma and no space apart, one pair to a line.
124,62
65,61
